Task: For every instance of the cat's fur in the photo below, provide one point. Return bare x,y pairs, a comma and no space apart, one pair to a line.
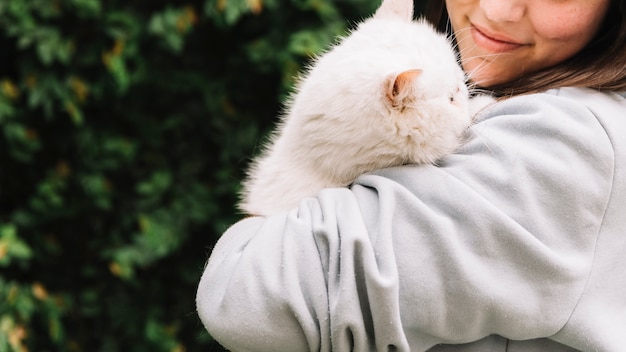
390,93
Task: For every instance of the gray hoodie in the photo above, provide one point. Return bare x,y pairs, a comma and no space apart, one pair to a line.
516,242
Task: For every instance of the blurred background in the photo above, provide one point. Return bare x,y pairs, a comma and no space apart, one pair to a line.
125,127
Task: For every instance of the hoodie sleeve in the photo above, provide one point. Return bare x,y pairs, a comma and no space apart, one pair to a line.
498,238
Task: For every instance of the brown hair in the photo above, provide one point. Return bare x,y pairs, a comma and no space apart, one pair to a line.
600,65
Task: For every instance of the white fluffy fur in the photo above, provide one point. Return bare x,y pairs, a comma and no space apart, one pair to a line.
390,93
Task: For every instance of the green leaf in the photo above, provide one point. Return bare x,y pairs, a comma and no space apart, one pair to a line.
98,188
6,110
158,183
227,13
51,46
87,8
172,25
24,142
117,67
11,246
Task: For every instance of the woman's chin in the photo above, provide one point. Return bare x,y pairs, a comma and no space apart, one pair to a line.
487,74
486,80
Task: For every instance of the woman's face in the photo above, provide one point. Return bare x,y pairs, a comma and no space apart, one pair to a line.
500,40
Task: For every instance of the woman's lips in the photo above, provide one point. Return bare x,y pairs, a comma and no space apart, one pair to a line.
489,42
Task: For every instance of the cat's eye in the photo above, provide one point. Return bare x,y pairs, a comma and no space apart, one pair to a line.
452,97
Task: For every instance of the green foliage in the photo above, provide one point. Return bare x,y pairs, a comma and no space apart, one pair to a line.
124,130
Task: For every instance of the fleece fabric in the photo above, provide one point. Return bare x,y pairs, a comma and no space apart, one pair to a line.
516,242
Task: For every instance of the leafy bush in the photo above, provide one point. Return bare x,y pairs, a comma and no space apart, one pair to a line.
124,130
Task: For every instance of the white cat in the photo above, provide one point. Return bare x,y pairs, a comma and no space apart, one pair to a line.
390,93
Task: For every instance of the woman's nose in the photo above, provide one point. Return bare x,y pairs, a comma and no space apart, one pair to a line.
503,10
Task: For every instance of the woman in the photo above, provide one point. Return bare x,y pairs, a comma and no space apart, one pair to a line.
514,243
580,43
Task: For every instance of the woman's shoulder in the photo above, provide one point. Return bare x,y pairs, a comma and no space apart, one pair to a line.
580,96
573,97
609,108
584,95
570,103
580,115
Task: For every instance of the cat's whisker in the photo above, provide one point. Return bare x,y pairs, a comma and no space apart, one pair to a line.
452,38
484,139
484,64
448,26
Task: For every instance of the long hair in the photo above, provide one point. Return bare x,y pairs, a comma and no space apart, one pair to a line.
600,65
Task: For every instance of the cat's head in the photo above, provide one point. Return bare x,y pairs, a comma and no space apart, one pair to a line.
390,79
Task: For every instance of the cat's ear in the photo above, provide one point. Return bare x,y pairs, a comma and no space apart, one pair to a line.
400,88
394,9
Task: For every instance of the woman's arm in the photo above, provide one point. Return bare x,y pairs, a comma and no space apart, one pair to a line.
497,239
